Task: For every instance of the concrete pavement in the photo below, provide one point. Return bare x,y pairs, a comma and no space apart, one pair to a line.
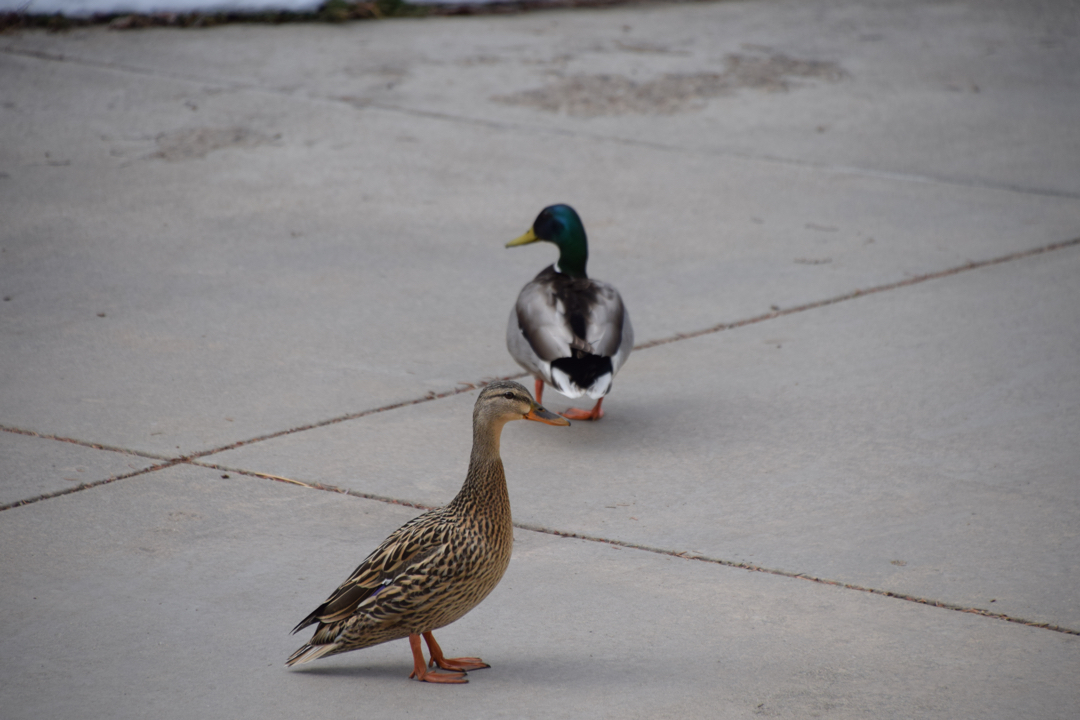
839,480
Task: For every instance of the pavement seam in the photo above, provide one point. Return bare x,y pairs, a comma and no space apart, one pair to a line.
804,576
83,443
683,555
858,293
362,104
191,459
431,395
311,485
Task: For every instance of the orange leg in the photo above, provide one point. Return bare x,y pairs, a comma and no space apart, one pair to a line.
578,414
539,391
461,663
420,670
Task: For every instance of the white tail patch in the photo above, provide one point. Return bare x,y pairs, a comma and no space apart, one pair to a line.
601,388
564,384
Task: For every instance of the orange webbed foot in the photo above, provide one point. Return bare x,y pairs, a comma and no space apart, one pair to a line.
456,678
420,669
456,667
454,664
462,663
578,414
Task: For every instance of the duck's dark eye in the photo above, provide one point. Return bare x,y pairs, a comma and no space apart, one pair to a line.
508,395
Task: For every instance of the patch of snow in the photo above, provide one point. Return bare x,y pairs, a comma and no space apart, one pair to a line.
83,8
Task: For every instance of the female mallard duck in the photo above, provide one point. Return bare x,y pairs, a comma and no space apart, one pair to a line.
568,330
439,565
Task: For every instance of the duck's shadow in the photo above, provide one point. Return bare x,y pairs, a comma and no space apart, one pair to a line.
546,670
356,671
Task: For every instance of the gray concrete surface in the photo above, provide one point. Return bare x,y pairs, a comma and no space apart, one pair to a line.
260,251
197,578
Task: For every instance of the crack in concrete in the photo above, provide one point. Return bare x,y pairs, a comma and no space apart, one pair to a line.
973,265
467,387
83,443
87,485
804,576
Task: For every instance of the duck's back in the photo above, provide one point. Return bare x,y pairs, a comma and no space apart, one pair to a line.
574,333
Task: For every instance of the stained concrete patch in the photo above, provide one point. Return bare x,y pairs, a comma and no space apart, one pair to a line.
592,95
194,143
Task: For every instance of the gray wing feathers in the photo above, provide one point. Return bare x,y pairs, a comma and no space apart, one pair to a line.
540,319
608,323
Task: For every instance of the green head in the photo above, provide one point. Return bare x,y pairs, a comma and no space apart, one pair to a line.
559,224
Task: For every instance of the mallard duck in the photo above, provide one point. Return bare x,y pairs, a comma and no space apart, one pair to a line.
439,565
567,329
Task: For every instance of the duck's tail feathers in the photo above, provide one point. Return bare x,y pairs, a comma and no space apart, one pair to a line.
311,652
309,620
601,386
587,375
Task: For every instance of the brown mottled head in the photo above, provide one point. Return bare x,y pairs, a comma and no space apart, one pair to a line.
507,400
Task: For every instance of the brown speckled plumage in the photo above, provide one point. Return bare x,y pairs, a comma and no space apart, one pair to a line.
438,566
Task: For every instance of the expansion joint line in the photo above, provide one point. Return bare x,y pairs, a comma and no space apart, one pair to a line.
804,576
192,459
93,484
164,462
462,387
776,313
226,470
83,443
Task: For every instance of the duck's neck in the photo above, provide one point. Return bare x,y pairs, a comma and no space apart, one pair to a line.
484,491
573,255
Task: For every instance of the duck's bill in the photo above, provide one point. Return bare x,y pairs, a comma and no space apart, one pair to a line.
529,237
546,416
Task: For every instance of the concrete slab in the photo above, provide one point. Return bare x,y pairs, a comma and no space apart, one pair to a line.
127,323
919,441
199,261
179,588
33,466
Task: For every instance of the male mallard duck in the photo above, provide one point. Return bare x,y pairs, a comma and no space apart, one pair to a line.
439,565
570,331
